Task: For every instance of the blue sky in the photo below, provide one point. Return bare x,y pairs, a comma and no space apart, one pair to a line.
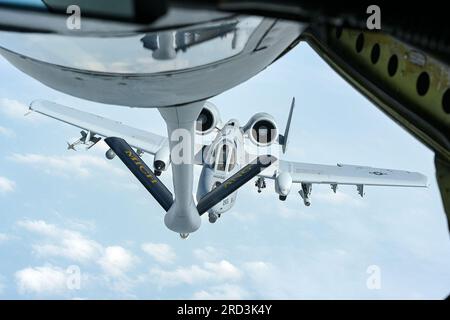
60,208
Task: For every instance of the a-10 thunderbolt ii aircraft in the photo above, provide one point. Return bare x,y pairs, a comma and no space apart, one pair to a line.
176,69
235,155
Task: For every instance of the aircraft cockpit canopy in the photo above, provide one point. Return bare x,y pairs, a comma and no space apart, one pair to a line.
224,157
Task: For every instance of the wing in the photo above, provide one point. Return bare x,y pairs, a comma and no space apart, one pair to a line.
346,174
144,140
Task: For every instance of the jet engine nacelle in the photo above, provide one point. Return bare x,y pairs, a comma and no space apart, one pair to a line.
208,119
161,160
262,129
283,184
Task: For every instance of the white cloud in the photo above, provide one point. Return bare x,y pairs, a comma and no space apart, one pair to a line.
72,245
222,292
12,108
4,237
181,275
224,270
78,165
62,242
6,185
113,261
78,224
257,267
161,252
40,227
116,261
41,280
206,254
16,110
6,132
209,272
339,198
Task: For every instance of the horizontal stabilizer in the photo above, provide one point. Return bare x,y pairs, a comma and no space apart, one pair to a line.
141,171
233,183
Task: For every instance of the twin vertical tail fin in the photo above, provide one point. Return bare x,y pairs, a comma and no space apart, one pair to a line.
141,171
283,139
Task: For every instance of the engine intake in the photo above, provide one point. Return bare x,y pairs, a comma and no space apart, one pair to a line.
208,119
262,129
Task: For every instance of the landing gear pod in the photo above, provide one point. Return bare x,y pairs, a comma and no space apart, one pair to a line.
162,160
283,183
110,154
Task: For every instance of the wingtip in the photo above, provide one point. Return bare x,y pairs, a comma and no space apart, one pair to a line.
424,180
30,109
36,104
33,104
